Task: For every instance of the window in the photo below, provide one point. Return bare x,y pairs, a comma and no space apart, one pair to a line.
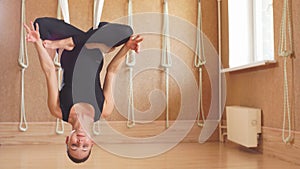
251,32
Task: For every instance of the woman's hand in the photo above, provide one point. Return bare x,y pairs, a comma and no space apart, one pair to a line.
134,43
33,35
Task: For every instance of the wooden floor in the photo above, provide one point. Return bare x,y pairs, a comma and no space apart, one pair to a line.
184,156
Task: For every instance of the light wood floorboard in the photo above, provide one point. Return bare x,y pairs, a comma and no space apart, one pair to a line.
212,155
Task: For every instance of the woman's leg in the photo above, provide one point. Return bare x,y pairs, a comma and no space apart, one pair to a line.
57,34
111,34
55,29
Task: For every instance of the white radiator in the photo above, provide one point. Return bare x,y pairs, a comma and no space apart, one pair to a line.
243,125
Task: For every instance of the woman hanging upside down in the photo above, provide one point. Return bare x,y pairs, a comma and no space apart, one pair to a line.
82,59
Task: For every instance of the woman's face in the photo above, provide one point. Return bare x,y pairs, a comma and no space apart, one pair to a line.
79,144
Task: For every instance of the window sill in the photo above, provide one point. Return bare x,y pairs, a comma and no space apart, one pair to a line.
251,65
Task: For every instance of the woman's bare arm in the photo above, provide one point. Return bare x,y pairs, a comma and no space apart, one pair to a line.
48,68
132,44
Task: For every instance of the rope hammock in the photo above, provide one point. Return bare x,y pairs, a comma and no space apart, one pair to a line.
130,62
98,7
23,63
199,62
286,30
166,61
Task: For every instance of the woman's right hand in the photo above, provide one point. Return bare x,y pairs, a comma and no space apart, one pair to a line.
33,35
134,43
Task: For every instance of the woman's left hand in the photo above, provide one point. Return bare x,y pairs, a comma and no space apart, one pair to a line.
33,35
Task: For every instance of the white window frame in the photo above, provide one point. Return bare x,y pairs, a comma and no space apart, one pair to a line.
251,38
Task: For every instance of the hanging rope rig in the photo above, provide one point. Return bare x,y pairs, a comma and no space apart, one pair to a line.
130,62
199,62
98,7
62,13
166,61
23,63
283,51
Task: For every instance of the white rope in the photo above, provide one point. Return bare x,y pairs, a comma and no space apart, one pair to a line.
23,63
98,7
62,13
130,62
285,30
199,62
63,7
221,133
166,61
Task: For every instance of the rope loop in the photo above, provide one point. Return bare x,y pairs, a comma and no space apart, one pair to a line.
23,126
130,63
283,51
59,131
166,60
96,128
23,63
199,62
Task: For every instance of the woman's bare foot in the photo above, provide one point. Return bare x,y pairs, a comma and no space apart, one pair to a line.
66,44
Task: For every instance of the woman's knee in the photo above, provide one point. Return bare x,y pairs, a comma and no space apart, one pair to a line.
43,24
123,32
41,21
127,30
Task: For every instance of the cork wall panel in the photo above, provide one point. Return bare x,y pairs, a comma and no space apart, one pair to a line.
35,84
81,14
81,17
262,87
296,65
144,83
10,72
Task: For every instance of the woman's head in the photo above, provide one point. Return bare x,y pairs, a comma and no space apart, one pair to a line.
79,146
79,143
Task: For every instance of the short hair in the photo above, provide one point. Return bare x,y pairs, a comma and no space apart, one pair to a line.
76,160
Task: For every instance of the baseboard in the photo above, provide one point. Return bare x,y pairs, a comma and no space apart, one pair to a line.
44,133
37,133
273,145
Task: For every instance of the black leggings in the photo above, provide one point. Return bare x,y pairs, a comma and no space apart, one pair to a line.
110,34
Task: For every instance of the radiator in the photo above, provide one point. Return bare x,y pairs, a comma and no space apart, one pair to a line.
243,125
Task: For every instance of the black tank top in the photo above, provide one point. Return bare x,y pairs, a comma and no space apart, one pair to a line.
81,81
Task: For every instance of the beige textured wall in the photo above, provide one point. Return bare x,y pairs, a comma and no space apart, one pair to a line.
262,87
81,17
258,87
